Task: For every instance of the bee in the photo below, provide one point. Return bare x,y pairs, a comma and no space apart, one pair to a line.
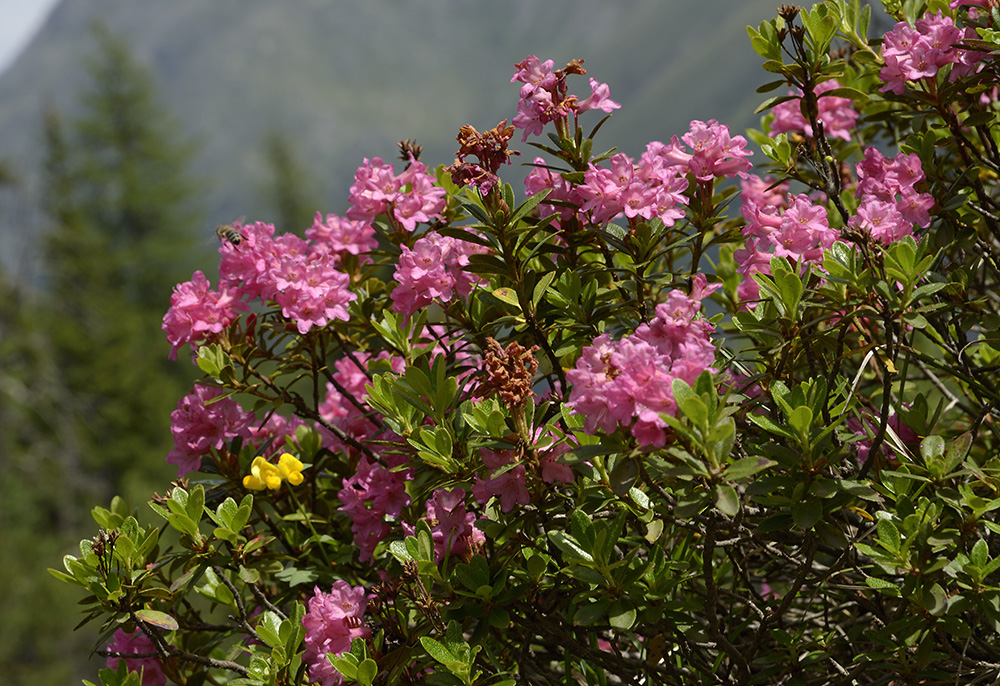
226,232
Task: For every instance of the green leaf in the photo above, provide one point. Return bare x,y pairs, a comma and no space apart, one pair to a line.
979,555
158,619
346,664
622,614
770,425
746,467
528,205
806,512
436,650
367,671
592,612
693,407
184,524
268,628
196,503
569,546
507,295
727,500
888,535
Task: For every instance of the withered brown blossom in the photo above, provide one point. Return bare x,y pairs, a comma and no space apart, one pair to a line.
509,373
490,147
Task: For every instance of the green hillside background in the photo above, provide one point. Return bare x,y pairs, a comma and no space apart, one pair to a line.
346,79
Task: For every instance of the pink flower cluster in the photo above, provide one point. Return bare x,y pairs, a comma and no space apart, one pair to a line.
714,153
797,230
543,97
368,497
837,114
540,178
912,53
510,484
628,382
342,236
137,643
452,528
303,280
197,312
434,268
764,192
332,621
889,203
199,426
653,188
409,198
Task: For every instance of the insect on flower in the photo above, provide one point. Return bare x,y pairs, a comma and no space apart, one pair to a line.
226,232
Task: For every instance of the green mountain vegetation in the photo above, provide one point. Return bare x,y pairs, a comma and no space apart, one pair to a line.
346,79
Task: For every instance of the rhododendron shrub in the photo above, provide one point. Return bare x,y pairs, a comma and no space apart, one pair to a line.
696,413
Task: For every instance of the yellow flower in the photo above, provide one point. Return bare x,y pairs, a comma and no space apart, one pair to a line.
290,468
263,474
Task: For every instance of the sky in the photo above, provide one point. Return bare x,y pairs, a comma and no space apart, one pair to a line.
19,21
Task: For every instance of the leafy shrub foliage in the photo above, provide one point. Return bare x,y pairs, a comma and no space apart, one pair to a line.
668,419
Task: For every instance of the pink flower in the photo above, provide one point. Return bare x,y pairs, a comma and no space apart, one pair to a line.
765,192
199,427
651,189
882,220
533,71
197,313
409,198
715,153
799,233
434,270
137,643
868,426
341,236
332,621
540,178
628,382
301,279
510,486
368,497
338,410
274,432
544,98
890,204
452,528
311,291
920,52
600,99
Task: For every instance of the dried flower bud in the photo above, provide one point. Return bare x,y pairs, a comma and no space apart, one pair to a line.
509,373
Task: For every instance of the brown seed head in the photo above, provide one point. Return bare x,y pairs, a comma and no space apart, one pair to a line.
409,151
788,12
509,373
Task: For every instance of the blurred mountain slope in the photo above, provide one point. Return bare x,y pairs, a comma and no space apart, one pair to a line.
346,79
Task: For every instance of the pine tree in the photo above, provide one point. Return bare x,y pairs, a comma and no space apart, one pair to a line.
291,192
121,202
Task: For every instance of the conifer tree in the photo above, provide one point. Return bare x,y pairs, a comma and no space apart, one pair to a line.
120,198
291,193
